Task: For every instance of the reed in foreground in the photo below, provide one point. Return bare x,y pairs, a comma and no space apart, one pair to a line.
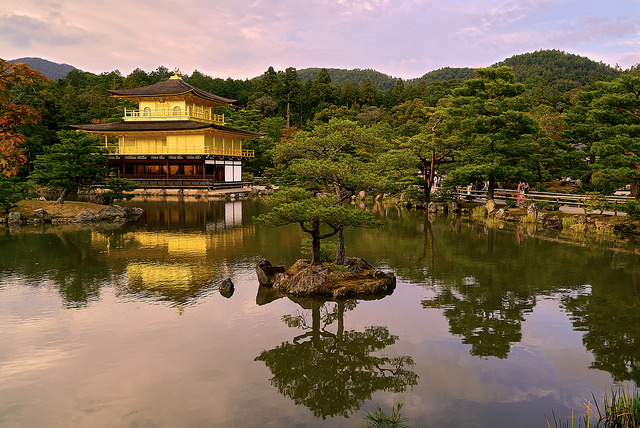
618,409
381,420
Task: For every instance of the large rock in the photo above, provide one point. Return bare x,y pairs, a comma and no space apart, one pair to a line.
14,217
85,216
532,210
453,207
553,222
490,206
134,211
113,213
357,262
542,218
266,272
226,288
42,214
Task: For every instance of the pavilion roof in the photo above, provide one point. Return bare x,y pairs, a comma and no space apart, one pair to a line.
170,87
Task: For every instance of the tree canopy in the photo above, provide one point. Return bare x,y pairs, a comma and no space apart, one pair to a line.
73,162
14,79
534,116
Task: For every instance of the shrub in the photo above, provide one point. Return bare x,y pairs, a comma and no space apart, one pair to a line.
479,213
580,228
413,193
528,219
11,191
547,206
596,202
632,208
444,194
117,187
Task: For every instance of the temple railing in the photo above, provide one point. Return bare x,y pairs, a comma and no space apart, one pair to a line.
117,150
172,114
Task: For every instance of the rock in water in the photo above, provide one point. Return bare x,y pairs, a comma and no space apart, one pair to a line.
266,272
87,216
226,288
490,206
14,217
112,213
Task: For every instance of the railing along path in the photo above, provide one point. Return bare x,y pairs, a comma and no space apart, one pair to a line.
572,200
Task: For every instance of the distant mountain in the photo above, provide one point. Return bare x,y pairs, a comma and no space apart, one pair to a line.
558,70
444,74
339,76
553,69
52,70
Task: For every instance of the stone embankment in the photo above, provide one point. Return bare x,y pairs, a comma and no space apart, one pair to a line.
356,278
112,213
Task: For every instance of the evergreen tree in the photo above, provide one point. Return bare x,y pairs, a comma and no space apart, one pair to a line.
496,134
288,90
617,150
341,158
296,205
73,162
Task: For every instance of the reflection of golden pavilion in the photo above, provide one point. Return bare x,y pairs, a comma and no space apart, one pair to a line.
165,278
173,265
174,243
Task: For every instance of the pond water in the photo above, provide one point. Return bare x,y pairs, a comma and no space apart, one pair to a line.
125,326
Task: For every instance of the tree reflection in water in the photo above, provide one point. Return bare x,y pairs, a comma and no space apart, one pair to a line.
609,318
333,372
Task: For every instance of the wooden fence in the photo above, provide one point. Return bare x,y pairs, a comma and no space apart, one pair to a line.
572,200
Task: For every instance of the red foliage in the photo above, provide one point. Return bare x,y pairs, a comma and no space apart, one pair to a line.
12,115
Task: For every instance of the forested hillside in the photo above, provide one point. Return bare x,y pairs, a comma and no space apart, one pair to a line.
52,70
444,74
556,70
339,76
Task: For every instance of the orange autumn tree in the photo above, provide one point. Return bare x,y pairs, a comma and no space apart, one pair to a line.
13,115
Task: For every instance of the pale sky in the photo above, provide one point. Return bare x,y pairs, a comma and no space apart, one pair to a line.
242,38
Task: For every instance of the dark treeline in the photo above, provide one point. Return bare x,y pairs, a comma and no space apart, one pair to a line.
561,92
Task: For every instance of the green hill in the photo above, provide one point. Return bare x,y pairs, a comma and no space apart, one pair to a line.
557,70
553,69
444,74
52,70
356,75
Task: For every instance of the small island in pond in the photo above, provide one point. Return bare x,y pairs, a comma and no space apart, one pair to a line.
356,278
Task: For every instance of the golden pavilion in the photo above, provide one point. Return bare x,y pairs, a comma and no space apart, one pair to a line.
174,139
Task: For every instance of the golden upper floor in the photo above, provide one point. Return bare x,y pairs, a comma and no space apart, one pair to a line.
172,99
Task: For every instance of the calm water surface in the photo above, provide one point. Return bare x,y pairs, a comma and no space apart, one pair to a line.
124,326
